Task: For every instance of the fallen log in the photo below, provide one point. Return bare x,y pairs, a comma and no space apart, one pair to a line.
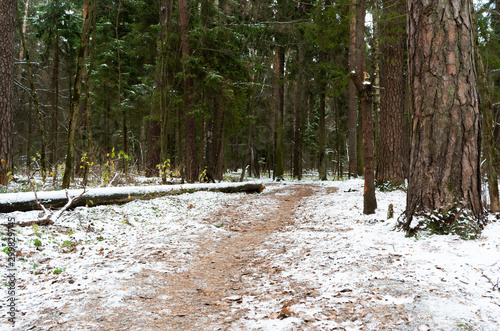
10,202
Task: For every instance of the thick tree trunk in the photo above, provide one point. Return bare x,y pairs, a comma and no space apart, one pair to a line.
352,114
75,100
102,196
390,145
7,44
445,144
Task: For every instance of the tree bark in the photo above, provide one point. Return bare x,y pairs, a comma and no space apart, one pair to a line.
102,196
365,93
352,114
297,143
280,63
191,150
322,128
75,100
390,145
445,144
7,44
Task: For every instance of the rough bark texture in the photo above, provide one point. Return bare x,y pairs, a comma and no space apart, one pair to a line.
445,145
390,144
7,29
191,150
352,114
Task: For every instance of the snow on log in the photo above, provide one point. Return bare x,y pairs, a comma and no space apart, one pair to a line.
10,202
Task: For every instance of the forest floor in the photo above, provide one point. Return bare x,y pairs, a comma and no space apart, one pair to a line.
299,256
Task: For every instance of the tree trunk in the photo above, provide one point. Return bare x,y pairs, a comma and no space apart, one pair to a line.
101,196
7,44
158,133
390,145
191,150
297,143
365,93
445,144
352,114
359,68
280,103
322,128
55,110
75,100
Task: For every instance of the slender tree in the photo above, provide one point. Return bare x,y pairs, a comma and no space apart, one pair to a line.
7,33
352,114
365,92
191,150
75,100
445,146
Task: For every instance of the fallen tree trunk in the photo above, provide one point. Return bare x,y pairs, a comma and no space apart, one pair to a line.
10,202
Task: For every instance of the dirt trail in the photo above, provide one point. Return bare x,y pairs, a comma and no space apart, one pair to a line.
219,271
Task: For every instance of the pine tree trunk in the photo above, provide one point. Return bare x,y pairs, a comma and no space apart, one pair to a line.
365,93
191,150
445,144
55,110
390,145
297,144
280,61
7,44
322,129
352,115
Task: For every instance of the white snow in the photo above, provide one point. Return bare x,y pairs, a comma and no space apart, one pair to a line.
355,265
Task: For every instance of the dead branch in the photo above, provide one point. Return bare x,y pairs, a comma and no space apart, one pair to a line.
48,217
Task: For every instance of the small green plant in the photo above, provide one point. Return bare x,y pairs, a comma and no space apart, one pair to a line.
36,229
219,225
6,250
37,242
59,271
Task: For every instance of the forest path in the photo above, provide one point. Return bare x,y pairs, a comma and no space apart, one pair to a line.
219,271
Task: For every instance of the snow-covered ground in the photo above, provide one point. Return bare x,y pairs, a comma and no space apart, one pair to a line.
361,272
